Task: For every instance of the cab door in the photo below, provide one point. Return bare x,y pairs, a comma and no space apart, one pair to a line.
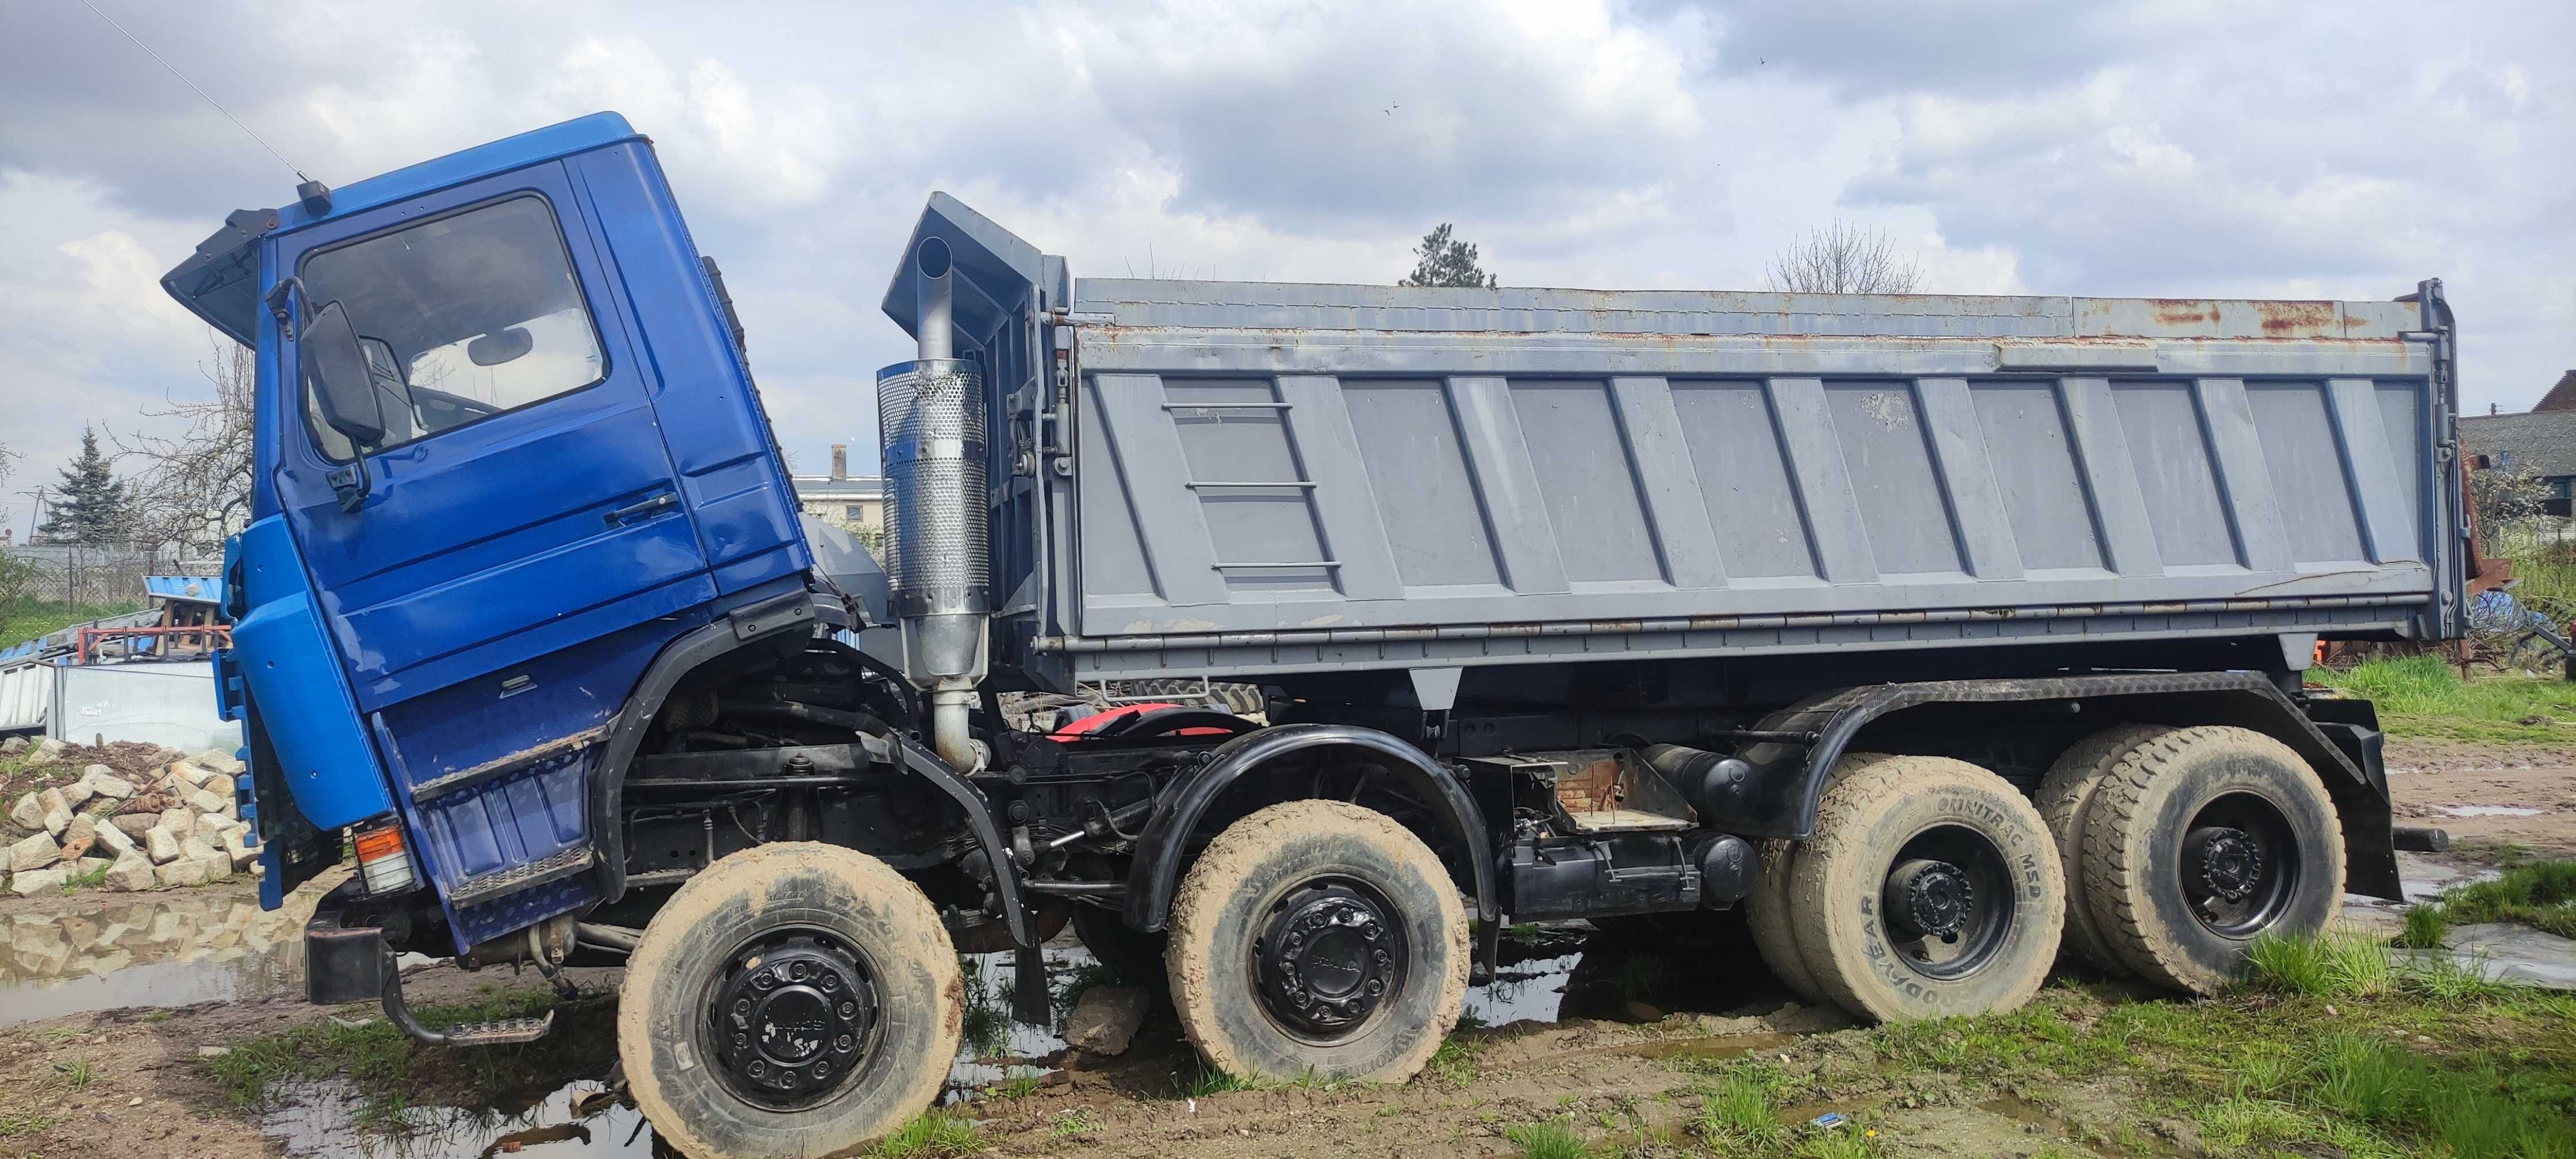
520,510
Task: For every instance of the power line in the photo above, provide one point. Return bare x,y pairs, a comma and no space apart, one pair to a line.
183,79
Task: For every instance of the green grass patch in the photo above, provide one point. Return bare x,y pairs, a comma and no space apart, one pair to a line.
2328,1047
1550,1139
2541,894
932,1134
1454,1063
389,1071
23,620
1204,1080
1741,1112
2424,696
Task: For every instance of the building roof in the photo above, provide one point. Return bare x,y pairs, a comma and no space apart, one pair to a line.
200,589
2561,396
2541,442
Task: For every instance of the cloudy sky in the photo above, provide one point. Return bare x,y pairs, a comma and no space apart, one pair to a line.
2241,148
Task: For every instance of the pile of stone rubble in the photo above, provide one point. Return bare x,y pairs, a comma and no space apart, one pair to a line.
154,818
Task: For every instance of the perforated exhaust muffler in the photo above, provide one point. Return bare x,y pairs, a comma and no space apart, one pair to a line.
930,421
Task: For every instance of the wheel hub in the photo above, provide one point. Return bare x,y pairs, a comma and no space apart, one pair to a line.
790,1021
2223,862
1932,898
1327,959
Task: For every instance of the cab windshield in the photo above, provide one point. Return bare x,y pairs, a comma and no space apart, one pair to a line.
462,317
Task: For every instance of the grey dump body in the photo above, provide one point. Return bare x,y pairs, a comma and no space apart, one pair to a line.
1249,477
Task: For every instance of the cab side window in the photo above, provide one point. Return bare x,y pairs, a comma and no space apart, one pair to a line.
461,317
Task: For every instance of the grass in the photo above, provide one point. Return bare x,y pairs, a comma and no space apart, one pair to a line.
2345,965
81,881
387,1068
2328,1044
77,1075
1454,1063
2541,895
1741,1111
15,1123
23,620
932,1134
1549,1139
1206,1080
2425,696
1074,1123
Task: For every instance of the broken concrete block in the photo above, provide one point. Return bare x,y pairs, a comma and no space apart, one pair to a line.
181,872
13,746
50,747
176,820
209,828
76,793
56,820
219,761
107,784
218,867
131,874
239,846
78,837
29,813
36,881
116,841
135,823
161,845
191,849
88,866
36,852
1104,1019
205,802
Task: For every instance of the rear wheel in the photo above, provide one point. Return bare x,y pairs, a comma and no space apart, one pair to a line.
793,999
1931,889
2064,799
1318,938
1767,911
2199,841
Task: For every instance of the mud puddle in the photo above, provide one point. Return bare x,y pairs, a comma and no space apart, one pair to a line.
1547,975
156,950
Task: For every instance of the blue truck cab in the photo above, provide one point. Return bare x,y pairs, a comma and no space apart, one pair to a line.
565,469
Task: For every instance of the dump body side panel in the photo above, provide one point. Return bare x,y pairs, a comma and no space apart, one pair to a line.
1279,477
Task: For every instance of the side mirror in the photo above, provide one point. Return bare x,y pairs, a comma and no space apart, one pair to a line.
336,367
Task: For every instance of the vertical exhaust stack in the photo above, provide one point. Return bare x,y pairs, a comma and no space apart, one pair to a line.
930,414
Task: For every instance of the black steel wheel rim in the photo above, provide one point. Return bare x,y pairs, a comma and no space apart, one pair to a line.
2238,865
790,1016
1327,958
1946,903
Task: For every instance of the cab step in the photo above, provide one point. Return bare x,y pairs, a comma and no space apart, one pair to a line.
501,1032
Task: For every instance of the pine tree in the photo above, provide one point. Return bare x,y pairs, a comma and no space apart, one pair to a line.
1443,260
92,507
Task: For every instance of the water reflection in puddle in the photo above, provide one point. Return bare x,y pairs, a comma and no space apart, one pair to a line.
156,950
579,1118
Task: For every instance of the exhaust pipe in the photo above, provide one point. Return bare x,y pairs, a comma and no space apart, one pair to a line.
930,418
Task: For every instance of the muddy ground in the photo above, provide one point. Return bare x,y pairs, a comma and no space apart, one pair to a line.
108,1004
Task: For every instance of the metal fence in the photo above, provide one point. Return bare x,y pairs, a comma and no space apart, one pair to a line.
89,574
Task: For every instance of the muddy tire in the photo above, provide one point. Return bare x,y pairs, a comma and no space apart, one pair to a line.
2198,841
1766,912
1317,938
1931,889
2065,796
1766,909
748,979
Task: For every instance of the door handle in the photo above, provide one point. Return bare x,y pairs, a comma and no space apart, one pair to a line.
634,511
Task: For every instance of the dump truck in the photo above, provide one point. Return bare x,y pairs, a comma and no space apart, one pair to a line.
1937,638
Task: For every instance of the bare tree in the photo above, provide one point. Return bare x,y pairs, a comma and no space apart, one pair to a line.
192,489
1844,259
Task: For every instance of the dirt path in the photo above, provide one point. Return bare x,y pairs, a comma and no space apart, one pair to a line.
2487,793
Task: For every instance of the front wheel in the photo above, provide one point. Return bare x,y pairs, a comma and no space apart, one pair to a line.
1318,939
793,999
